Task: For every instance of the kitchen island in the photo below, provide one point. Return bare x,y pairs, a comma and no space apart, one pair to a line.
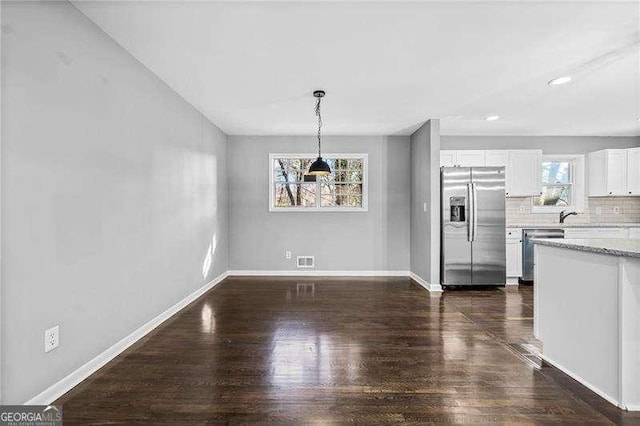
587,313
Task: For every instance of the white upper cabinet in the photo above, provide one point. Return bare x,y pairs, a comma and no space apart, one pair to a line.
633,171
617,172
471,158
524,173
496,158
448,158
613,172
463,158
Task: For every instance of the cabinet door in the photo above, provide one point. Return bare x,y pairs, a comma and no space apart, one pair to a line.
471,158
616,172
634,233
524,173
581,233
612,233
514,258
496,158
633,171
448,159
599,233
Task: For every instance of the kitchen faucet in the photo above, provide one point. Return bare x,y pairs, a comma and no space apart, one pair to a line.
564,215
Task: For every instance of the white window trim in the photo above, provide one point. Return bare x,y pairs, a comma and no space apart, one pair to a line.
578,194
341,209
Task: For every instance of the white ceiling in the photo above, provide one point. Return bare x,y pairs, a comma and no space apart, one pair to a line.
388,66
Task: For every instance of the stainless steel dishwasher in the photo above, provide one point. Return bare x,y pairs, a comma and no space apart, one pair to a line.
527,248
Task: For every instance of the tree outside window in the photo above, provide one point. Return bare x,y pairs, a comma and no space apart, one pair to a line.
557,184
343,189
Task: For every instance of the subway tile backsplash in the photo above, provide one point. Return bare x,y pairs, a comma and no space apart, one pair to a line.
596,210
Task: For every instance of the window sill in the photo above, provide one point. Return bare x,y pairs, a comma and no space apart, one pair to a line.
319,209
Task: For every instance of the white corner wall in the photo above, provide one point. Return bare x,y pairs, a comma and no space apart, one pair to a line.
425,204
114,195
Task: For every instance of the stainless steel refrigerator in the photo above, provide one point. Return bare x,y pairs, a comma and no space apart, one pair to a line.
472,226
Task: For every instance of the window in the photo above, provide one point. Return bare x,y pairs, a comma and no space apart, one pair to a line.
562,184
291,189
556,184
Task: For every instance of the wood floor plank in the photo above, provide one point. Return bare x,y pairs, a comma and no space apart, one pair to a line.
374,350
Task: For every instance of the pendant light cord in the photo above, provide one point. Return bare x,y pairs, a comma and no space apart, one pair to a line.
319,123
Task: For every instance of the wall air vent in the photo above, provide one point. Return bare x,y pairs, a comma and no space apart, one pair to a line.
305,261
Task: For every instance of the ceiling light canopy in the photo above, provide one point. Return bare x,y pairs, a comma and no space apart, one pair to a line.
560,80
492,118
319,167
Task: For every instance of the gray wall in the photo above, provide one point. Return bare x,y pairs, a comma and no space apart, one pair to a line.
114,195
351,241
548,144
425,188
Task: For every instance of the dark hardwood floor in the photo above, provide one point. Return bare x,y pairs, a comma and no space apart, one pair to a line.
372,350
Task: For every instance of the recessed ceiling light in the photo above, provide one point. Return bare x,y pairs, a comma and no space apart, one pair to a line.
560,80
492,117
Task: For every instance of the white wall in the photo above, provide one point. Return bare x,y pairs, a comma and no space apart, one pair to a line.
376,240
548,144
114,194
425,190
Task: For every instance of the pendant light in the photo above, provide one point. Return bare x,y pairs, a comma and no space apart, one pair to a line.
319,167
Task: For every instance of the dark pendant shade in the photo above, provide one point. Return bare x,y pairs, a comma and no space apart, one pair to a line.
319,168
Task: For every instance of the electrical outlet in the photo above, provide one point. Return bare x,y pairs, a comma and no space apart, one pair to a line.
287,255
521,209
51,338
424,207
616,210
598,210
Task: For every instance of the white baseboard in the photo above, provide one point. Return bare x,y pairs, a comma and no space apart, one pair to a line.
317,273
583,382
512,281
58,389
425,284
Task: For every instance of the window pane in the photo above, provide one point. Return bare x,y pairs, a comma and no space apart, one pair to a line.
340,194
327,199
342,164
355,164
355,176
297,194
345,170
555,172
355,201
290,169
557,195
340,175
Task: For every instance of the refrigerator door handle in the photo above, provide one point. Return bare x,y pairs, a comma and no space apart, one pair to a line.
471,211
475,211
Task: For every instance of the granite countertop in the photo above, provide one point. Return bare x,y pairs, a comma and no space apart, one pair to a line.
573,225
615,247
